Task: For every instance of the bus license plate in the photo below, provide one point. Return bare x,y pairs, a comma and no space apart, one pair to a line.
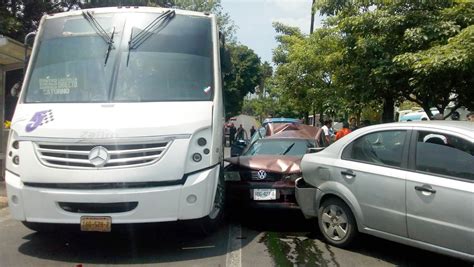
96,224
264,194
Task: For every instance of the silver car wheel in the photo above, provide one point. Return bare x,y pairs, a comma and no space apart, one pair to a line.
334,221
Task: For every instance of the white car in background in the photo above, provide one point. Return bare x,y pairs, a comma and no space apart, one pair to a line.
409,182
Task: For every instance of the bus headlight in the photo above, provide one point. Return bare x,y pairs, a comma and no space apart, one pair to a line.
197,157
12,161
202,141
16,144
200,150
16,160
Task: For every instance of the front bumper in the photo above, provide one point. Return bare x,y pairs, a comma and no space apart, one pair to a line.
155,204
243,193
306,196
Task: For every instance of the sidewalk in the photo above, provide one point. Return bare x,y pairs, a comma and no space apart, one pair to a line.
3,195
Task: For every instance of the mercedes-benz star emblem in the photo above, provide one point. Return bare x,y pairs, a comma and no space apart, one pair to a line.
261,174
99,156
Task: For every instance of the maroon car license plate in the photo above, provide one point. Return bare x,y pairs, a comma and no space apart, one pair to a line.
264,194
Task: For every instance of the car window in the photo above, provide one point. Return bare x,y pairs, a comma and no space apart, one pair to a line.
384,148
290,147
444,154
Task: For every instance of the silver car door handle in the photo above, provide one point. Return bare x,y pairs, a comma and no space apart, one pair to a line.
349,174
425,189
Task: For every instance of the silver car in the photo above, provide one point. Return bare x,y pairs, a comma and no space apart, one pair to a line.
410,182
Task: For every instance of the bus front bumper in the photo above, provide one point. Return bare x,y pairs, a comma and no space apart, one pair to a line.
191,200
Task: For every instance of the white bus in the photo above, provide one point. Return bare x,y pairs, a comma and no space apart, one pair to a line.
120,121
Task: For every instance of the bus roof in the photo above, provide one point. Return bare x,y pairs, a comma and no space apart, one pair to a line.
129,9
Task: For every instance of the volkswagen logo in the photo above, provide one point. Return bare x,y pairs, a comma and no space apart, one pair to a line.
261,174
99,156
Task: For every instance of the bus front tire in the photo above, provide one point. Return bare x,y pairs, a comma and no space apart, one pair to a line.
211,222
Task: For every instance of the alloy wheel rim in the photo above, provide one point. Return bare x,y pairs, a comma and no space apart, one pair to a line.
334,222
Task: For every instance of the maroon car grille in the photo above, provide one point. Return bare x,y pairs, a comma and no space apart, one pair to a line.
254,176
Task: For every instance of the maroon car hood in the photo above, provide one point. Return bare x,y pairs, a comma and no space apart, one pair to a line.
269,163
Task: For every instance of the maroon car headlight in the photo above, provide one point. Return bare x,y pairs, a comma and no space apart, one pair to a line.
231,176
292,177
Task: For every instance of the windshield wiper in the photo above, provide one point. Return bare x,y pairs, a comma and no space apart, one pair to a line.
157,24
149,30
288,149
109,40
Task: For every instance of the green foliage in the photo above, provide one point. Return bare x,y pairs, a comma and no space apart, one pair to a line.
405,105
19,17
245,75
306,73
378,53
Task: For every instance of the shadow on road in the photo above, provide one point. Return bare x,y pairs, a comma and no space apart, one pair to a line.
402,255
282,232
291,227
157,243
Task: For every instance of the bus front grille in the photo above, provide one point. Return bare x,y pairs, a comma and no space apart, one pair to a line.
94,156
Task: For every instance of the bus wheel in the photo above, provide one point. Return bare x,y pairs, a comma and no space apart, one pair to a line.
211,222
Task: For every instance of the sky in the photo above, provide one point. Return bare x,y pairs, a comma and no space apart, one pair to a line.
254,20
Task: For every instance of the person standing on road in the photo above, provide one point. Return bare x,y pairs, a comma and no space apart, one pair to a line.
240,132
326,134
232,132
252,131
344,131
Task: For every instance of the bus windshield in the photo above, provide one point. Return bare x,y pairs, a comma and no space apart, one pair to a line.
174,63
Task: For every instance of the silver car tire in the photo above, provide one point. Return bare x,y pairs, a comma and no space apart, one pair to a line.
336,222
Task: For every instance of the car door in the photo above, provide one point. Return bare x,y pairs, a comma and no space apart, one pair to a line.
440,190
371,168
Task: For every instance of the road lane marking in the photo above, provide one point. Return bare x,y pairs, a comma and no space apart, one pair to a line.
234,246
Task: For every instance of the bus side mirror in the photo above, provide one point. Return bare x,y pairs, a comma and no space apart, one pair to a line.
26,45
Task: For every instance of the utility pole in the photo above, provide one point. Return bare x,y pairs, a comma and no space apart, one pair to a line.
311,29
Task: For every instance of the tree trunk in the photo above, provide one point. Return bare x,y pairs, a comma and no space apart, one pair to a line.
321,116
388,110
306,117
14,9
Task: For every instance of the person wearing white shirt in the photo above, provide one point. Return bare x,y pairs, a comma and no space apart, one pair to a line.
327,134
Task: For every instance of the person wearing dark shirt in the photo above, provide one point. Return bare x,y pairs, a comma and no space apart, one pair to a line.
252,131
232,132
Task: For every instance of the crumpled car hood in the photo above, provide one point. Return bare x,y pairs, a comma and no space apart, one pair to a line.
269,163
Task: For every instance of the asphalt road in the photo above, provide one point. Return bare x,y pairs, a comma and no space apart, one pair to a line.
247,238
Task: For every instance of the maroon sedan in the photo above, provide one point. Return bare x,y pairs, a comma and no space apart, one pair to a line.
264,175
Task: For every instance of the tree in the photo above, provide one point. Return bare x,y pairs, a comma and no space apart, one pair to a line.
19,17
397,50
242,79
305,74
